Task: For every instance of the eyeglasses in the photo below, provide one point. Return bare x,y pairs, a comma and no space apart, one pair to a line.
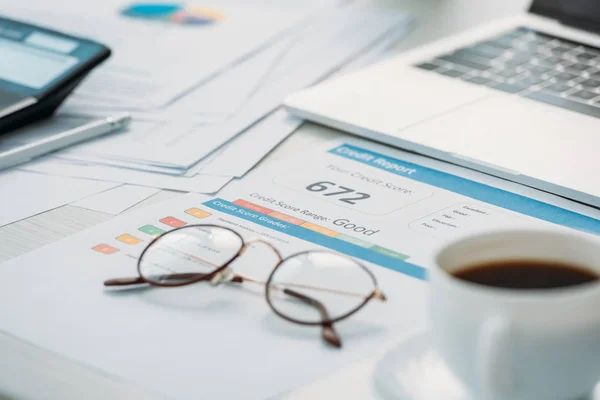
317,288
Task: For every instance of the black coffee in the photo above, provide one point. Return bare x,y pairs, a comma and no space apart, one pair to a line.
527,275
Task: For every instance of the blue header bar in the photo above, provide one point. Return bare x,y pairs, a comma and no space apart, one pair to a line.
475,190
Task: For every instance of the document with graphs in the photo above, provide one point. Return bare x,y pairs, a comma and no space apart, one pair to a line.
386,208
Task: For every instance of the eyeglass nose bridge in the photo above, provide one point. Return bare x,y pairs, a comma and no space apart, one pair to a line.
226,274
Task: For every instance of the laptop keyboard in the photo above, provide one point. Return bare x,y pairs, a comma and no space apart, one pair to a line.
530,64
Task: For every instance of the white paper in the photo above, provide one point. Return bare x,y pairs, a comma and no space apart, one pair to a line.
364,29
183,143
116,200
225,94
28,193
198,183
169,340
252,145
63,122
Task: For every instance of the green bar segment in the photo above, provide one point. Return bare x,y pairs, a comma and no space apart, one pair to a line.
151,230
389,252
355,241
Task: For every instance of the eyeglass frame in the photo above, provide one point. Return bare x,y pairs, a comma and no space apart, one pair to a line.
330,337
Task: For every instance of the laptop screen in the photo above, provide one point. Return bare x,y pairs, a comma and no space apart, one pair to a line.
584,14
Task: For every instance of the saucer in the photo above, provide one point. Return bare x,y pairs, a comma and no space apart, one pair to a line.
414,371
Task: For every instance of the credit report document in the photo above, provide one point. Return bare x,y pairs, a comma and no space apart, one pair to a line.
388,208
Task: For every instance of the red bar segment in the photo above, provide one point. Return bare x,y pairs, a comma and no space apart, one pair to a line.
173,222
252,206
105,249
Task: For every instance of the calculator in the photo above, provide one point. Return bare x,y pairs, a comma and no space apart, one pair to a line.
39,68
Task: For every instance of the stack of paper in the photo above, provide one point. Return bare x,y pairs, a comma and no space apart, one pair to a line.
154,62
205,99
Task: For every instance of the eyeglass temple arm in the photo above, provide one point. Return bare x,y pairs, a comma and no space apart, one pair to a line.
124,281
174,276
167,277
376,294
328,332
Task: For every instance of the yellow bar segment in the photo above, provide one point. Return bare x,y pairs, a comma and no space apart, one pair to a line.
322,230
286,218
126,238
198,213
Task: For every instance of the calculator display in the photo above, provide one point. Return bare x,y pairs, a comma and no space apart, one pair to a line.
33,60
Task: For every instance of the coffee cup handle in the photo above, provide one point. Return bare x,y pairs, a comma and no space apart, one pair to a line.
495,373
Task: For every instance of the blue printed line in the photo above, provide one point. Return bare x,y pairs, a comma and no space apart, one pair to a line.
475,190
341,246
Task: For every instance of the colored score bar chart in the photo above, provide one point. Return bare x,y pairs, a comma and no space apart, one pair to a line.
319,229
150,230
318,235
283,223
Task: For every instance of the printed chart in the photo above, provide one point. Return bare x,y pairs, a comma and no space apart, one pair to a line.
279,222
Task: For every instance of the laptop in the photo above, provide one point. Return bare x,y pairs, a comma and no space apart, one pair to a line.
518,98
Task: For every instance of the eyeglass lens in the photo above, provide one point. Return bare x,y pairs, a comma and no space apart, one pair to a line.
319,286
186,254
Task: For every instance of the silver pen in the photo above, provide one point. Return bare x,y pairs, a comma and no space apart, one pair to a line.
22,154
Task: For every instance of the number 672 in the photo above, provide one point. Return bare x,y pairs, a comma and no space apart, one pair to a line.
332,189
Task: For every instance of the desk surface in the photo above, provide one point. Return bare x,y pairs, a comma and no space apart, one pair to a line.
435,19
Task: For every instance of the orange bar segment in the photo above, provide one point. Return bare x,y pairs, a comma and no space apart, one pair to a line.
105,249
286,218
252,206
322,230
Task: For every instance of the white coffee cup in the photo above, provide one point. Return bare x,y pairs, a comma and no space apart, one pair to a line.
508,344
